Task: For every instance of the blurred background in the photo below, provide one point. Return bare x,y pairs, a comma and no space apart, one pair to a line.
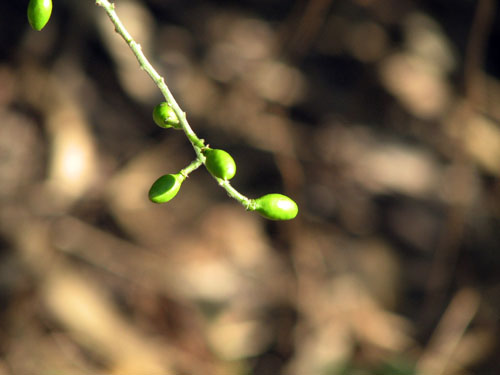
379,117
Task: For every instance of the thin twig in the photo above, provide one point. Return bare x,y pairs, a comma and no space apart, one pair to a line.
197,143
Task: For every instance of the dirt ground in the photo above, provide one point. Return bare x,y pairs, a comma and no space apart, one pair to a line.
381,118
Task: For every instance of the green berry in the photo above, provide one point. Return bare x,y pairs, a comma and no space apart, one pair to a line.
276,207
39,12
220,163
165,188
165,117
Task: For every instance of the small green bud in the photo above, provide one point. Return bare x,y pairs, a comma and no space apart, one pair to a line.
165,188
39,12
165,117
220,163
276,207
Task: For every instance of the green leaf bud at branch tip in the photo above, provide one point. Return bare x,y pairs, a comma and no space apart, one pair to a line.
220,163
275,207
165,188
39,12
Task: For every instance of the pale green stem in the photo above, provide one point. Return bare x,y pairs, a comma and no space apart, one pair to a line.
195,164
148,68
249,204
197,143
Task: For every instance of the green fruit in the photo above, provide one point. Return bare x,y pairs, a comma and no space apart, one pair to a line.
276,207
165,117
39,12
220,163
165,188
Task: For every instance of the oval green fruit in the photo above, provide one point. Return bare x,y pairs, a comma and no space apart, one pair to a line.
165,188
220,163
165,117
276,207
39,12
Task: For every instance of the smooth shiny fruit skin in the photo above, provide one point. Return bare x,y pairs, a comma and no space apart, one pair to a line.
39,12
165,188
220,163
165,117
276,207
